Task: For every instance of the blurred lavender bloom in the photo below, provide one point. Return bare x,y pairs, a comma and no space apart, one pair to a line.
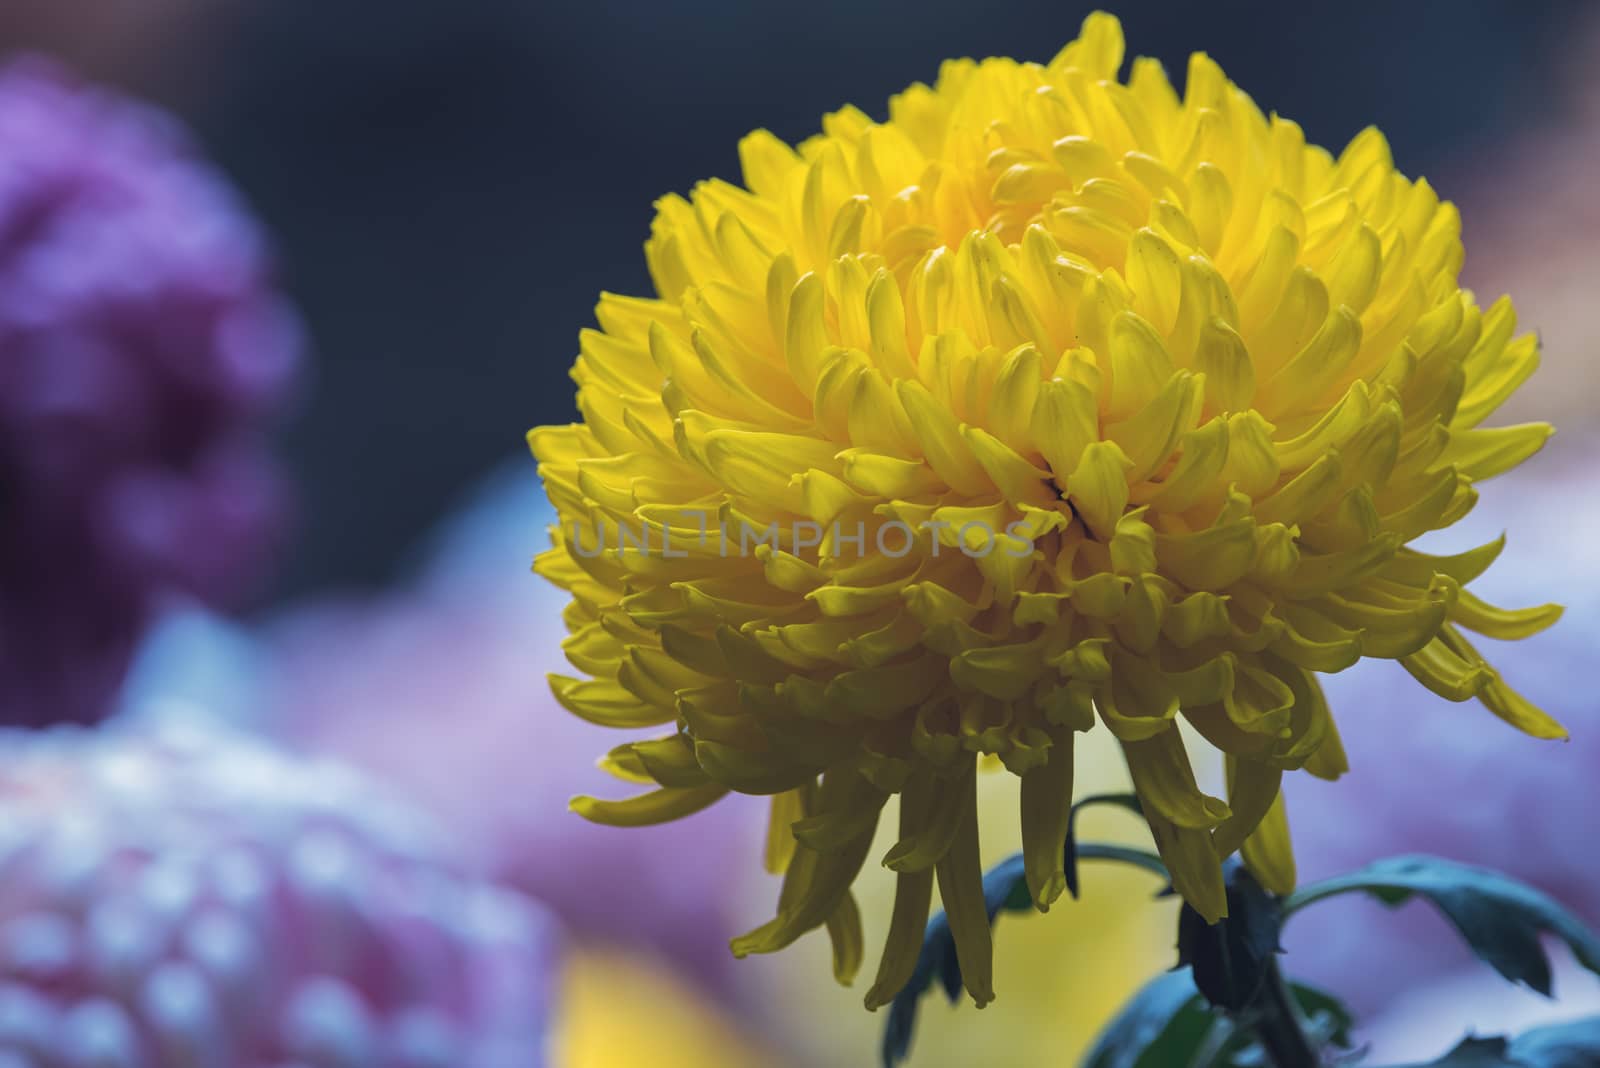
439,688
1476,791
1421,1025
180,895
142,348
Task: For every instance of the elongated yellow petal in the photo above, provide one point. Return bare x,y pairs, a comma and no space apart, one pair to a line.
1518,711
1483,453
1165,781
913,893
960,878
1194,864
669,761
816,883
847,940
1252,793
1268,852
941,439
1046,809
625,765
1099,487
934,817
658,806
606,703
785,810
751,773
1446,674
1506,624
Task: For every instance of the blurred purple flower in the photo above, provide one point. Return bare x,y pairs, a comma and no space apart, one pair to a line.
1422,1024
184,896
1466,786
142,348
439,688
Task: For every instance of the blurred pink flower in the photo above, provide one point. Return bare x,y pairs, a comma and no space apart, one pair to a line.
439,688
181,896
143,349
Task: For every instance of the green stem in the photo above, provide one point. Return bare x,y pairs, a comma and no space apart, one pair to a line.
1277,1022
1216,1040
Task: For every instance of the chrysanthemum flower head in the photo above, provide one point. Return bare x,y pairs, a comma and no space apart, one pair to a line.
1055,402
143,346
181,896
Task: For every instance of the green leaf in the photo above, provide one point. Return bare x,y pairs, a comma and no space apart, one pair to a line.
1163,1024
1005,888
1569,1045
1328,1020
1168,1022
1126,801
1500,918
1137,858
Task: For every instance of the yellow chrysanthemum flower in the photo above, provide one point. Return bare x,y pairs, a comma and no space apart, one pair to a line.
1052,400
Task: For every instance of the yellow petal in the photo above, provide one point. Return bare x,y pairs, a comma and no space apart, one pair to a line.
751,773
1098,487
1065,421
960,877
1450,676
934,817
1149,437
913,893
1165,781
669,761
1252,792
947,452
606,703
1202,453
1195,867
1268,852
1485,452
847,939
1140,364
1507,624
806,338
1046,808
657,806
815,883
785,810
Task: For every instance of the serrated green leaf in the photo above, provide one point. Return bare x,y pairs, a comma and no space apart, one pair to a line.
1499,918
